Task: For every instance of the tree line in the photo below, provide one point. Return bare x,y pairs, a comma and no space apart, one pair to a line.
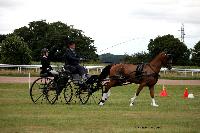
28,41
25,43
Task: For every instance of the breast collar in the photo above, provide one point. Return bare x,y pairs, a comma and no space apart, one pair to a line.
152,68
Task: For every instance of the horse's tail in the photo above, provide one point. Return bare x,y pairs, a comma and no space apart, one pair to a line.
105,72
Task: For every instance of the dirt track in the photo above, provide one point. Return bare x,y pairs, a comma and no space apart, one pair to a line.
160,81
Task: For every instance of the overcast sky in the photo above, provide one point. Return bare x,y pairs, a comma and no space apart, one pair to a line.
117,26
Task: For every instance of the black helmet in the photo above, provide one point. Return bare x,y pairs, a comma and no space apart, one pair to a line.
44,50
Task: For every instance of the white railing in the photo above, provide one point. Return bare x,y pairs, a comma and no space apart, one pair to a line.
97,68
20,67
184,71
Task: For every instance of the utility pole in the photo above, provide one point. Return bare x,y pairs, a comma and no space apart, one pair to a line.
182,33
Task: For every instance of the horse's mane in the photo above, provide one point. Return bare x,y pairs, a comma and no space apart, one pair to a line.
152,57
105,72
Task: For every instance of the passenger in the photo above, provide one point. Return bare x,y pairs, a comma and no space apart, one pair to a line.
46,67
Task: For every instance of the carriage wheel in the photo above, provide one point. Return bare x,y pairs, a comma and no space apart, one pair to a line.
68,93
52,92
84,93
97,95
38,90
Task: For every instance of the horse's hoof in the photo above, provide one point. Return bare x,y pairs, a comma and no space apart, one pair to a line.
131,104
154,105
101,104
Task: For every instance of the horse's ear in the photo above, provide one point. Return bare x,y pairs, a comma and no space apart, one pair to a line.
166,51
163,54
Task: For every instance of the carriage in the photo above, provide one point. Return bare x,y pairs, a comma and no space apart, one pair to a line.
142,74
71,85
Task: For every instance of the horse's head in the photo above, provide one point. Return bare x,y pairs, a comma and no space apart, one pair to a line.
166,60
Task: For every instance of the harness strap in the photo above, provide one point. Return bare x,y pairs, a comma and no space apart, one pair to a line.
152,68
139,71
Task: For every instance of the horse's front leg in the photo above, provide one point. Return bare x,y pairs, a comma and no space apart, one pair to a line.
105,97
136,94
106,92
153,103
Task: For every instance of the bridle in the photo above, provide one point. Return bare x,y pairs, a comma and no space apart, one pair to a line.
169,61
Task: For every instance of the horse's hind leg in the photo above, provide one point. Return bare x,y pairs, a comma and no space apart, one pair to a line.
136,94
106,92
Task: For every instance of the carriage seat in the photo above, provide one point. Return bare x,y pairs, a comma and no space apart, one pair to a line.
43,74
73,71
70,69
46,74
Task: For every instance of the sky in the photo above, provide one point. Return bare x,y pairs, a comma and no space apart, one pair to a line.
116,26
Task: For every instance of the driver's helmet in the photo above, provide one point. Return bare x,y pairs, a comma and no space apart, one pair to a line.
44,51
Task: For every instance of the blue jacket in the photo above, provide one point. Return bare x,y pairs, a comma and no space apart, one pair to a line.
71,58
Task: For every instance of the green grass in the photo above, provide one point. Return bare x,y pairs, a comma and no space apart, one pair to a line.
175,114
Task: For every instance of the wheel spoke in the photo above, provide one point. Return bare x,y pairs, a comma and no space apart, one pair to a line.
84,94
52,92
38,98
68,93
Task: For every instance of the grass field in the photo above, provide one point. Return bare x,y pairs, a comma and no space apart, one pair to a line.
174,115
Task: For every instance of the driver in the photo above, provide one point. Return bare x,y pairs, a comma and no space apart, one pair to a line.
72,59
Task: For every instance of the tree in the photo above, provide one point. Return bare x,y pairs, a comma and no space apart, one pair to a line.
54,36
110,58
2,37
178,49
136,58
35,36
15,51
196,54
25,33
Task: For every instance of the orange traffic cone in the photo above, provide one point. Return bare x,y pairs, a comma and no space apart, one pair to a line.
163,93
185,95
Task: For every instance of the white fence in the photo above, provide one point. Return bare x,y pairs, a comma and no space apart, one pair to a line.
97,68
183,71
36,67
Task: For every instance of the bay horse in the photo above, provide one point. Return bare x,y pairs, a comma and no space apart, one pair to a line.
142,74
